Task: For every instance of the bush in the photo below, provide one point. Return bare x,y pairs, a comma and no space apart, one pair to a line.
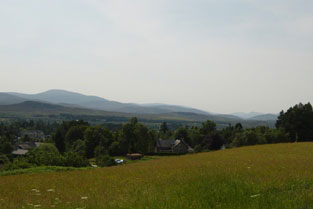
79,147
18,163
100,150
4,159
198,148
115,148
73,159
104,160
249,137
45,154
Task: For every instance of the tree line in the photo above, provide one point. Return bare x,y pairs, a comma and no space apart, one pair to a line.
72,143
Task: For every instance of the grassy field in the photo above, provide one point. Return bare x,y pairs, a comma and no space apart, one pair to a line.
269,176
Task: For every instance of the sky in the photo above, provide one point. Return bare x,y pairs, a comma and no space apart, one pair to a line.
221,56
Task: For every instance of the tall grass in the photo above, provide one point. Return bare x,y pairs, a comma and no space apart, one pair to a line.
267,176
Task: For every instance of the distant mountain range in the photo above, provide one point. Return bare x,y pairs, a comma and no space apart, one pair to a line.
54,103
67,98
256,116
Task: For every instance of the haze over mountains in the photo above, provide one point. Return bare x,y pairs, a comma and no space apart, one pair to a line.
63,97
62,101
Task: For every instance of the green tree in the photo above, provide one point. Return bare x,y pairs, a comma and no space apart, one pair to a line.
213,141
5,146
115,149
95,136
73,134
249,137
79,147
238,127
208,127
163,128
59,138
298,122
195,137
74,159
136,137
45,154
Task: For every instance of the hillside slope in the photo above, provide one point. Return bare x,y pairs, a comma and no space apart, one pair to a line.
258,177
7,99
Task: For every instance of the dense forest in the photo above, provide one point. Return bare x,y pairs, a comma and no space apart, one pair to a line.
74,143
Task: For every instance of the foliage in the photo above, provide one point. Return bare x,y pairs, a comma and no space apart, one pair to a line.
79,147
45,154
74,133
100,150
18,163
198,148
72,159
39,169
298,122
59,137
208,127
105,160
95,136
212,141
248,137
5,146
4,159
135,137
115,148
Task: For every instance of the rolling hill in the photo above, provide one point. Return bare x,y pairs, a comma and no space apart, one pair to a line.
65,105
54,112
245,115
265,117
7,99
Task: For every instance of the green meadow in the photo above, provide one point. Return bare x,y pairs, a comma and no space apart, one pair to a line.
267,176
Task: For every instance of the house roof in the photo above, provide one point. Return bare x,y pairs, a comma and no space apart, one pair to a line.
26,145
19,152
165,143
134,155
23,147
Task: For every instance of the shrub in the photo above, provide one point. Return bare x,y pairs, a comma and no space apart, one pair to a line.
18,163
198,148
104,160
115,148
249,137
45,154
73,159
4,159
100,150
79,147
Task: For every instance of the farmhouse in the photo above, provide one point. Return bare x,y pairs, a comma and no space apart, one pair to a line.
23,147
178,146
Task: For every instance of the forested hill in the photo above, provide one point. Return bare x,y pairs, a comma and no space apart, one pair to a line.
66,105
94,102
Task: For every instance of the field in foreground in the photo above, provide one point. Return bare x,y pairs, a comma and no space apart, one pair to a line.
269,176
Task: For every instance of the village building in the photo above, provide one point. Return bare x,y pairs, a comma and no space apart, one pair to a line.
35,135
178,146
23,147
134,156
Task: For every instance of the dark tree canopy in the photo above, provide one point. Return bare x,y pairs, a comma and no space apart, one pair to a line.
298,122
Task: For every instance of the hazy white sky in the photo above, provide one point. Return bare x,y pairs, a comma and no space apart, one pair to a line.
218,55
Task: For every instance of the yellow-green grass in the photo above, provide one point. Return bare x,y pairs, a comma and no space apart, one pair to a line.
267,176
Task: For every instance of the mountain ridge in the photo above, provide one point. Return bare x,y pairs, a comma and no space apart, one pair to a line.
56,96
78,102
